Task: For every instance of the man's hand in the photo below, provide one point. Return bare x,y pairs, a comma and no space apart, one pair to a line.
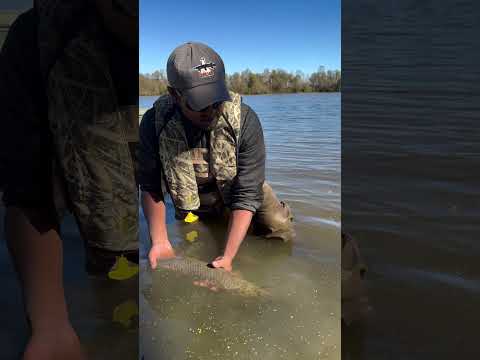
155,213
160,252
237,229
223,262
54,344
220,262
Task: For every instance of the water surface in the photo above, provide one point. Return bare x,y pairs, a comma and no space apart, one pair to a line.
301,319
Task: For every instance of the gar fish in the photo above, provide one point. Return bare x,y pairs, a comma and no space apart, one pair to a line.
201,270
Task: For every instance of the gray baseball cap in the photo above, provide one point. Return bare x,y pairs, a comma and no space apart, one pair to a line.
197,71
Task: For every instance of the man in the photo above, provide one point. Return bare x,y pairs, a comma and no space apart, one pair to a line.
205,147
69,117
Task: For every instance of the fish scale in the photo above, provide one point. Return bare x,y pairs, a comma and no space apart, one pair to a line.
220,278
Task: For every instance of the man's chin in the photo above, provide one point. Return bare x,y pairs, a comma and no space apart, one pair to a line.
204,124
207,125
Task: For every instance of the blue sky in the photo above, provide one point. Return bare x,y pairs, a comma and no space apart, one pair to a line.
291,35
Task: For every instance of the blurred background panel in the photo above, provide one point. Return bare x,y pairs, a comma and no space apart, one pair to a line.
6,19
102,310
9,10
410,195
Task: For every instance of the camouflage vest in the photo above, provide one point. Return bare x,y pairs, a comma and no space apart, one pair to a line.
176,157
92,135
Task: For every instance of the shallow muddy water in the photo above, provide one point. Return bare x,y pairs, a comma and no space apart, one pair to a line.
301,317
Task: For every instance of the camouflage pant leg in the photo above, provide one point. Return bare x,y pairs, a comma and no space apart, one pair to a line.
354,294
100,256
274,218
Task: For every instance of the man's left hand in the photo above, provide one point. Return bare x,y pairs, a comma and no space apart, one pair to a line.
223,262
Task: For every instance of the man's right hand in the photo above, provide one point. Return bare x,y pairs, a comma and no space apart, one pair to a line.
160,252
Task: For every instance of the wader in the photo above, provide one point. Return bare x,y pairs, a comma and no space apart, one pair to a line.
274,219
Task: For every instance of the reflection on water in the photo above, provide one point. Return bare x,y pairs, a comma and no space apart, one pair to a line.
301,317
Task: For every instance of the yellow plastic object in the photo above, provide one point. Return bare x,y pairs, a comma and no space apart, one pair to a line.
190,218
124,313
123,269
191,236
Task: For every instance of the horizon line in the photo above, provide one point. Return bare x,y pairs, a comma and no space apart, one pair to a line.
259,72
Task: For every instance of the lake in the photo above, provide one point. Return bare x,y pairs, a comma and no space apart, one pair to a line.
301,319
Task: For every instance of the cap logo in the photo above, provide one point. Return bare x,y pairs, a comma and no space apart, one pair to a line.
205,69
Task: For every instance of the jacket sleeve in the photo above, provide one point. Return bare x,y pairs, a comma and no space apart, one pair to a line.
247,188
149,165
25,144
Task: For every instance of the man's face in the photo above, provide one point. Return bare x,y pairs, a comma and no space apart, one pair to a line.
204,119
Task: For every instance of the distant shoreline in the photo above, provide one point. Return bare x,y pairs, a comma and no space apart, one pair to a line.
275,81
279,93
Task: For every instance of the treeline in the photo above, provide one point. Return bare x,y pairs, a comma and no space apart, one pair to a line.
250,83
152,84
